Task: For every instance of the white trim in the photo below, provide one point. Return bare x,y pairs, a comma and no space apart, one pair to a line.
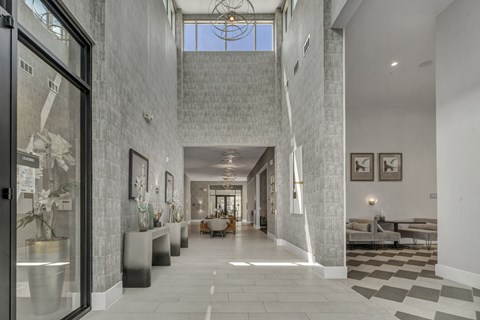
295,250
461,276
271,236
331,272
104,300
324,272
257,191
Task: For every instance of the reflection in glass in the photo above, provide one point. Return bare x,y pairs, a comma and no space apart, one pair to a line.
45,26
48,197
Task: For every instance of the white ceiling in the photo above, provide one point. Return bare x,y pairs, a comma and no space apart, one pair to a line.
380,32
203,163
201,6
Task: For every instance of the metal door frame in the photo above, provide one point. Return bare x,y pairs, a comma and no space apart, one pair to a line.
12,33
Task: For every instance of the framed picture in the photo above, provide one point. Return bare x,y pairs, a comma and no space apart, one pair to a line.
390,166
138,166
169,183
361,167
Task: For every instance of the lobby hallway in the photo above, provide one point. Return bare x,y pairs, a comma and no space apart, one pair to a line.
240,277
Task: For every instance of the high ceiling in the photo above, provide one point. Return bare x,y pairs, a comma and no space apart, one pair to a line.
201,6
203,163
383,31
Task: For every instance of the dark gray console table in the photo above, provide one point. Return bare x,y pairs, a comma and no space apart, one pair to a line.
141,251
178,236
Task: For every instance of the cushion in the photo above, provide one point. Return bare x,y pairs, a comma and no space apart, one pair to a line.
427,226
365,227
349,226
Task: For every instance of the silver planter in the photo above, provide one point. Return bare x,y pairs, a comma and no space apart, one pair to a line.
46,279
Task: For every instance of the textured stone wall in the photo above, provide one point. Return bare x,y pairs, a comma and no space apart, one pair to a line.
134,71
268,155
312,117
228,98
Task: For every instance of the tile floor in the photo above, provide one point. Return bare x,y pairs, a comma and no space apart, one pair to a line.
247,277
404,283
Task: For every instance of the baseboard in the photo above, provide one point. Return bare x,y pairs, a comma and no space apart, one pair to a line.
271,236
461,276
331,272
296,250
324,272
104,300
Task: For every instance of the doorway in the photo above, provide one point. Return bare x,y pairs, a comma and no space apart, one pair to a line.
46,170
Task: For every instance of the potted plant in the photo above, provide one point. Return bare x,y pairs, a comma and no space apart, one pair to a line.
46,250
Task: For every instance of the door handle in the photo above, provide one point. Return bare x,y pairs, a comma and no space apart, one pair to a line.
7,193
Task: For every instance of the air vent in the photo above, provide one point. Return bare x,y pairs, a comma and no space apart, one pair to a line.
306,46
295,68
26,67
53,86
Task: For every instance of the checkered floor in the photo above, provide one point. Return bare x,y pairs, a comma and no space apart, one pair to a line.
404,282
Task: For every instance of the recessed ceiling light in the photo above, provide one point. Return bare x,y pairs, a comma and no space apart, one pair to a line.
394,63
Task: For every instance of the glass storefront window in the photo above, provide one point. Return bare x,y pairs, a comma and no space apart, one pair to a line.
48,191
46,27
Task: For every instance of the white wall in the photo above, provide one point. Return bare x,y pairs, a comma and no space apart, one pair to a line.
379,128
391,110
458,136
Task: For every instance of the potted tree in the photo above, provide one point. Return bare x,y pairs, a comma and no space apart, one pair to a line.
48,252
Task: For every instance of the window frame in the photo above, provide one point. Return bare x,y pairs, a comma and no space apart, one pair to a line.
197,22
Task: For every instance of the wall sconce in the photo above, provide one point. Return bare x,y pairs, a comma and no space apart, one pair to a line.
372,200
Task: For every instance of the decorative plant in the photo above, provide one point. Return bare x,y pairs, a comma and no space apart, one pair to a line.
176,209
55,155
143,197
143,201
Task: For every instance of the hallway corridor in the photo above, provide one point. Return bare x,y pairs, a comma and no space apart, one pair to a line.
245,277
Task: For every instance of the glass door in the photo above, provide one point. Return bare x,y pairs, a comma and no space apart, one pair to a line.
7,222
50,171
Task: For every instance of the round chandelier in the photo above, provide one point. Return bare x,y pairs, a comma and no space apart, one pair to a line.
235,18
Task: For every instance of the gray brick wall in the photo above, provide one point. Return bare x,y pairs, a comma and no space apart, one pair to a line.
228,99
134,71
312,117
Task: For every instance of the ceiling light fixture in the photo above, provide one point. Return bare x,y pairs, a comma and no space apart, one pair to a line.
394,63
234,18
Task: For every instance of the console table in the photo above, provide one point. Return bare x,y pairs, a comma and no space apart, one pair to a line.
141,251
178,236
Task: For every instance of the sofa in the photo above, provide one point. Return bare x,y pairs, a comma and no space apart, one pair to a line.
426,232
368,230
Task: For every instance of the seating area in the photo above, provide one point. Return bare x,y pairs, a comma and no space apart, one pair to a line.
217,225
373,232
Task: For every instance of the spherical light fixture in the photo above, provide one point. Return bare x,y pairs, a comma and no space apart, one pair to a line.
234,18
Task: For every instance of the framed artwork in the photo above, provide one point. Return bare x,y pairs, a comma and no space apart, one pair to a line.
138,166
362,167
390,166
169,184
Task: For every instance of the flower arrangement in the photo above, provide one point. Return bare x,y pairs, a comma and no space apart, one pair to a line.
176,209
55,155
143,201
